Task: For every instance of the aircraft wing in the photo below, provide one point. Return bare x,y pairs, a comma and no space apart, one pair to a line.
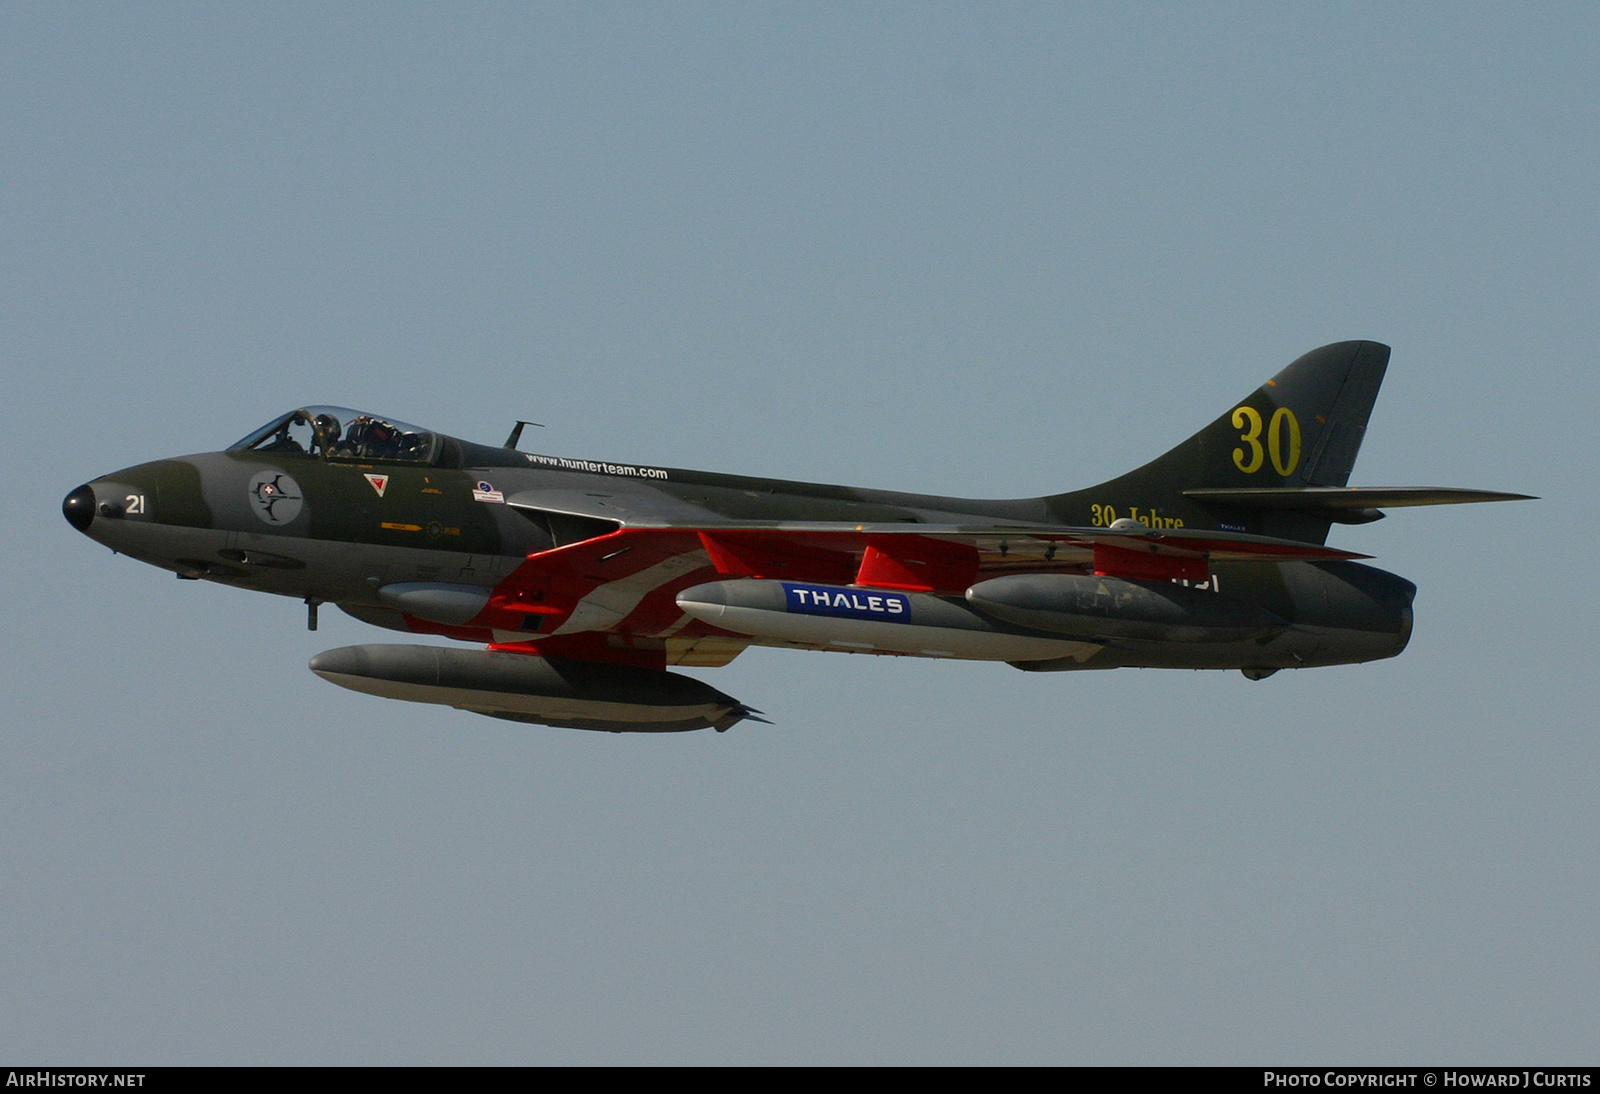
613,595
834,551
949,558
641,564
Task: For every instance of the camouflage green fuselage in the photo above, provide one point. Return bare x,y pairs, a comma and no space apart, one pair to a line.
358,526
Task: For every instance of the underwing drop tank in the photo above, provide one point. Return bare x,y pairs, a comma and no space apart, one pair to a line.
524,688
865,620
1114,607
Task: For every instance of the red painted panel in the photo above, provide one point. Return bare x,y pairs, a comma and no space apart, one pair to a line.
780,555
730,559
917,564
1149,564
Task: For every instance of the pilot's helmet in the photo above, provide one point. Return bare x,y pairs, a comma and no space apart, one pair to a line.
327,429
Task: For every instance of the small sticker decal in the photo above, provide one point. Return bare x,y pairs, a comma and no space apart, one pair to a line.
275,497
485,491
380,483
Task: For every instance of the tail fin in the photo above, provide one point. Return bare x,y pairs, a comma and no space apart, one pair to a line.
1302,428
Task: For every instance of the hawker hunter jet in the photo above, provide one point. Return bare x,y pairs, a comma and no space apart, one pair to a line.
582,581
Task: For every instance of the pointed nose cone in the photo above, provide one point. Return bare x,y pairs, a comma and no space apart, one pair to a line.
345,661
78,507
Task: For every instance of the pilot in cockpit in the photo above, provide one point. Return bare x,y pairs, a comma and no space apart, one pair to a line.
339,433
327,433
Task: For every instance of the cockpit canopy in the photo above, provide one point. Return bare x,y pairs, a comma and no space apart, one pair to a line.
339,433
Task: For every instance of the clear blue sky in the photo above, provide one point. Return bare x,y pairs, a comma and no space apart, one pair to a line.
983,250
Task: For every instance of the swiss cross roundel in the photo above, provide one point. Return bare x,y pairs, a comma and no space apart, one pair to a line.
275,497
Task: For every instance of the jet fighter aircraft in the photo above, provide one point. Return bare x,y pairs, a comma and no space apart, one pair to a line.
585,579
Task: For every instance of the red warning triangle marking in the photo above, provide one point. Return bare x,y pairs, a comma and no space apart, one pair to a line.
380,483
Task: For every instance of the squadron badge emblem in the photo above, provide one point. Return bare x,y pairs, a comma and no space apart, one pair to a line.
275,497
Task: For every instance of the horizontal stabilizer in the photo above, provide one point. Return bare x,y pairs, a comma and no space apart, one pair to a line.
1335,498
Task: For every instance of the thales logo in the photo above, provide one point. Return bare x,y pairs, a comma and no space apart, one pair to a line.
849,603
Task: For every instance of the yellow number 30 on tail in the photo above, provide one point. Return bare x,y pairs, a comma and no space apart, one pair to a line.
1248,419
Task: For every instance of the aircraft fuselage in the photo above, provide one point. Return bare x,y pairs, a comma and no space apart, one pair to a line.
342,531
587,579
